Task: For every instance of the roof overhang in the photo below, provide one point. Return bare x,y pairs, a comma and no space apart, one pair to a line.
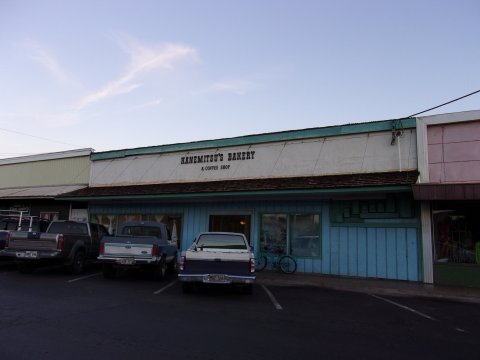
318,186
39,192
446,191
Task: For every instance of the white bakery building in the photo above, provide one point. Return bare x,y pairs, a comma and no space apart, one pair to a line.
338,199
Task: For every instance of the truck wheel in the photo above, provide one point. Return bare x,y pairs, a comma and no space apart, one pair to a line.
78,263
159,270
109,271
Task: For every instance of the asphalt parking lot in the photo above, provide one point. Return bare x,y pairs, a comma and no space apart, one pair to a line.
53,315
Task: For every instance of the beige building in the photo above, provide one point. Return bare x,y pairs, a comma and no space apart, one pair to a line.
31,183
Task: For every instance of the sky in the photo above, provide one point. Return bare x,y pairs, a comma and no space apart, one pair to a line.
119,74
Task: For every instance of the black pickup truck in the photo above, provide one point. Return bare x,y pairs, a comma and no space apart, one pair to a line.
69,243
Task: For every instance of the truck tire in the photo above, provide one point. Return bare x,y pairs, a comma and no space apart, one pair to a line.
78,264
109,271
159,271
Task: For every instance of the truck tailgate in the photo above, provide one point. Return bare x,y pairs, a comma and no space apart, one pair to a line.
128,250
32,241
220,262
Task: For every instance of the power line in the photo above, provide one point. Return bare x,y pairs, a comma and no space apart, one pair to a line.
449,102
38,137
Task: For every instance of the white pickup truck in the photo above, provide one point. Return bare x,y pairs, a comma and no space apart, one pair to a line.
218,258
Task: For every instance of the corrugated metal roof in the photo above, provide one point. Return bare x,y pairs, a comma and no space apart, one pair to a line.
328,131
330,182
38,192
47,156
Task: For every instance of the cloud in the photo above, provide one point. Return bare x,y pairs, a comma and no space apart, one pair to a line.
148,104
143,59
40,55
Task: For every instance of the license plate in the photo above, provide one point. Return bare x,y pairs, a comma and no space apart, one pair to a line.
127,261
217,278
27,254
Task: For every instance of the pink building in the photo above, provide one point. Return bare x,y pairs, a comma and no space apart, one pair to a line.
449,191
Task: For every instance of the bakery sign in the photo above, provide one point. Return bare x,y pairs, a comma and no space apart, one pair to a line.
218,160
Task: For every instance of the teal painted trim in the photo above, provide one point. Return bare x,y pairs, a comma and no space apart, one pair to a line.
377,225
400,188
329,131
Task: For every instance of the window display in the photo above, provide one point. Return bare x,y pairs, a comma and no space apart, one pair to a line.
274,233
291,234
173,222
456,233
305,239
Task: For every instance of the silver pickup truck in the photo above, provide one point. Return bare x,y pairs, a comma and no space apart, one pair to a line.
70,243
140,245
218,258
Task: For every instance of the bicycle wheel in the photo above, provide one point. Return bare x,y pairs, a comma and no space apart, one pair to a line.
260,262
287,264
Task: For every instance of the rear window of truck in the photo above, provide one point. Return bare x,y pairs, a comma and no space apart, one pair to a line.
70,228
142,231
221,241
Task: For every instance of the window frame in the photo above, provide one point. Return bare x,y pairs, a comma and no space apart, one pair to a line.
288,241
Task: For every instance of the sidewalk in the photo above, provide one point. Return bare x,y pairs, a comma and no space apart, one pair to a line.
371,286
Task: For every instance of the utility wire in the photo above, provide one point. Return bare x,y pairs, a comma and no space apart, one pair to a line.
449,102
39,137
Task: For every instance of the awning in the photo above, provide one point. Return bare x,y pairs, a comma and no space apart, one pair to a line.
39,192
446,191
329,183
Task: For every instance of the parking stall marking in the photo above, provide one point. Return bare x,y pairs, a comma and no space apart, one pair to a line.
272,298
84,277
404,307
165,287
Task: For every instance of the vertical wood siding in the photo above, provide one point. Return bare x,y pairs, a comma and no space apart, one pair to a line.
388,253
360,251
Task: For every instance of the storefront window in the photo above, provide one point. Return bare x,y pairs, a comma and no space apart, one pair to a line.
173,222
274,233
230,223
305,235
456,233
122,219
109,221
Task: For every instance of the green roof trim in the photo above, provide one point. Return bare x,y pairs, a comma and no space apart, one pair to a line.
397,188
329,131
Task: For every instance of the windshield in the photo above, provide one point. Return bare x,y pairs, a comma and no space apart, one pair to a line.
221,241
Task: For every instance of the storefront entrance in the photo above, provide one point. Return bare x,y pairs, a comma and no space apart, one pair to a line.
456,237
231,223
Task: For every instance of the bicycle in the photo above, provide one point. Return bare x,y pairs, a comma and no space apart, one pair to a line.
285,263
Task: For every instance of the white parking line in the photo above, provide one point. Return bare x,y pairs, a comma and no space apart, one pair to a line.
165,287
84,277
404,307
272,298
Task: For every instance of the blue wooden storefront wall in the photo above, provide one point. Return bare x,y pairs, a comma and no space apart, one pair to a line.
372,251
